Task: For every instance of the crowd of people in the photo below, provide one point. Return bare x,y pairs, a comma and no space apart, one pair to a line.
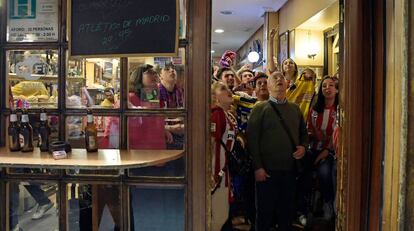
289,131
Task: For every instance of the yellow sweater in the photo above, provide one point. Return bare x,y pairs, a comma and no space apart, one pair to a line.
302,95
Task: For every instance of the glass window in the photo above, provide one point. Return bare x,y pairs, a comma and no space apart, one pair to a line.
93,83
105,201
155,208
107,126
33,206
32,20
156,82
157,133
32,78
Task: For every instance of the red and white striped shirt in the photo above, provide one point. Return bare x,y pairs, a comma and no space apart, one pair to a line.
321,127
223,127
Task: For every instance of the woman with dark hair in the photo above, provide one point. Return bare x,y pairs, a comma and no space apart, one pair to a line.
143,86
321,125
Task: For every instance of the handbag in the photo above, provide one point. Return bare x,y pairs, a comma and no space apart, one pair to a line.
239,160
298,163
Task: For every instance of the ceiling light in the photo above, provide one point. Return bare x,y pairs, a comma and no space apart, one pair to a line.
226,12
219,31
253,57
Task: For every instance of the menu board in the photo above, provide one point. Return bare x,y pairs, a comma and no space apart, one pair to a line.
100,28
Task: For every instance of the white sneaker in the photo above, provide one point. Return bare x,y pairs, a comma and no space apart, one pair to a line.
328,211
302,219
17,228
41,210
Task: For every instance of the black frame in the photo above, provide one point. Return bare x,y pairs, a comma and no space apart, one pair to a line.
123,113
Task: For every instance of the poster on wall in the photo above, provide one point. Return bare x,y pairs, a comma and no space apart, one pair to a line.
32,20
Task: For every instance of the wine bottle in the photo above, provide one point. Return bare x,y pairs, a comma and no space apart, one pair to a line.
26,133
91,134
44,132
14,133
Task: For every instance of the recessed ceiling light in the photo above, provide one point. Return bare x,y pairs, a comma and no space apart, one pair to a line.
226,12
212,51
219,31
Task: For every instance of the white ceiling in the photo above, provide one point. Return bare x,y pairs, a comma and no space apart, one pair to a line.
245,19
326,18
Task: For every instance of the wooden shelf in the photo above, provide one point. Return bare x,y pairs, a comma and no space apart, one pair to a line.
81,159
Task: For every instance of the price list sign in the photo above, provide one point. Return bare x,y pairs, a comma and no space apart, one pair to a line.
32,20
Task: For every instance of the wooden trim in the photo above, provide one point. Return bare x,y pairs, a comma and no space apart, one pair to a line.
375,200
198,112
356,115
409,203
396,115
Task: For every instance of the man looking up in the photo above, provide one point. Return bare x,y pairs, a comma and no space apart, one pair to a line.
274,154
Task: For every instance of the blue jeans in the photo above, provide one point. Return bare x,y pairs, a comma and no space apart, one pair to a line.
34,190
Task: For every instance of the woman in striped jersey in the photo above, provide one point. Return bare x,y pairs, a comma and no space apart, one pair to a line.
321,125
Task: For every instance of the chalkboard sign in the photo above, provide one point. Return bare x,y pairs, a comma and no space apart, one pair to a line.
101,28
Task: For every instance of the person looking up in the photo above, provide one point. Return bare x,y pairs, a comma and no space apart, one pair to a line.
290,71
227,76
276,137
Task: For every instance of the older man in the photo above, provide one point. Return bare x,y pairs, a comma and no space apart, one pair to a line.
277,137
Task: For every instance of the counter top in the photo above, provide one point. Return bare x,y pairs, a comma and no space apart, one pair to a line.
80,159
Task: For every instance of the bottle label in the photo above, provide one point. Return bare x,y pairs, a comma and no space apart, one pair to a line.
13,118
90,118
92,141
11,141
40,140
21,140
43,117
25,118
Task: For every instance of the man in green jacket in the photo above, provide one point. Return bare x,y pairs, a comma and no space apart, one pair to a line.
275,153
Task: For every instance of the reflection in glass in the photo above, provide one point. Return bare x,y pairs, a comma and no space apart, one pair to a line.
32,78
33,206
157,208
156,82
157,133
107,126
93,207
93,83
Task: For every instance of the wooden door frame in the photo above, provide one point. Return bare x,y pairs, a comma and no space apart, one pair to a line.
198,112
362,115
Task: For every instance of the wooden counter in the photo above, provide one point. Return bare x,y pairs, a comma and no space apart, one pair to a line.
80,159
